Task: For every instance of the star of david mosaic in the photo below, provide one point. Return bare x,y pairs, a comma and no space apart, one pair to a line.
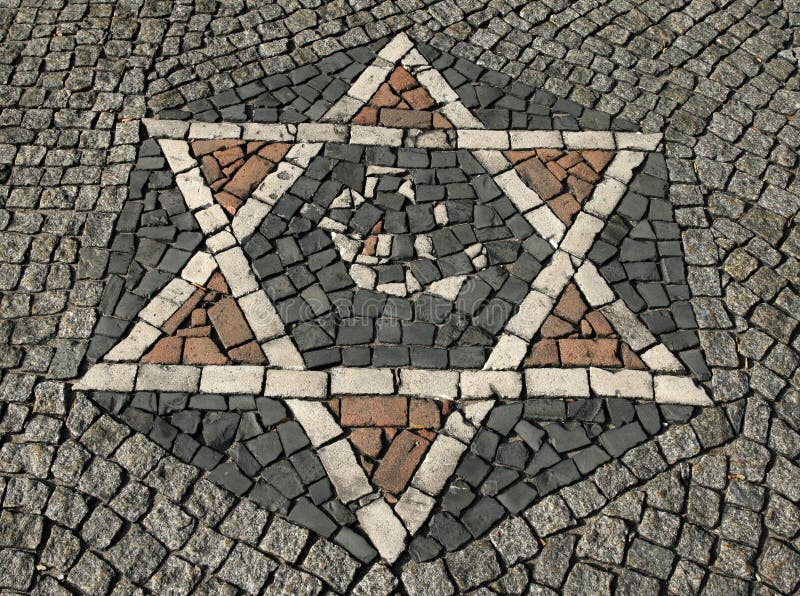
373,295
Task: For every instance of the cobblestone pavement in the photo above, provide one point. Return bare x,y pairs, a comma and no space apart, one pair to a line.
403,297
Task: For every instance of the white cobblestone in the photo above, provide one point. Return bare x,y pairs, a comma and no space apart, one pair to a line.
165,129
261,315
507,353
531,314
660,359
315,419
194,189
108,377
670,389
622,383
211,219
232,379
141,337
622,166
557,382
436,85
519,193
199,268
282,353
384,529
459,116
440,384
368,82
439,464
555,276
396,48
177,154
275,185
605,197
214,130
221,241
582,234
316,132
589,140
637,140
546,224
628,325
534,139
257,131
482,139
236,269
488,383
361,381
167,377
376,135
344,471
166,302
296,383
592,285
248,218
414,507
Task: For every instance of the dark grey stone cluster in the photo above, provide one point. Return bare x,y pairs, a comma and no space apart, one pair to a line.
640,253
155,236
332,321
525,452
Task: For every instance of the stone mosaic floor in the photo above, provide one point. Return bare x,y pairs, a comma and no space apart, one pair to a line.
304,298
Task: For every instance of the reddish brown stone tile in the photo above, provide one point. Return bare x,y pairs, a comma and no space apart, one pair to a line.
598,159
400,462
423,413
199,317
203,331
211,168
166,351
228,157
230,323
630,359
229,202
557,171
589,352
367,116
441,122
517,156
249,176
384,97
249,353
571,306
183,312
539,178
370,245
275,152
580,189
584,172
547,155
374,411
405,118
599,323
569,159
402,80
203,147
543,353
556,327
202,350
565,207
419,99
368,440
217,283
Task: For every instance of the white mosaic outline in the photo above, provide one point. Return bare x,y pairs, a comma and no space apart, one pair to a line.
475,390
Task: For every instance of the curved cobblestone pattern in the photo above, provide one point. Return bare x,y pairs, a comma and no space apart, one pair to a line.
105,492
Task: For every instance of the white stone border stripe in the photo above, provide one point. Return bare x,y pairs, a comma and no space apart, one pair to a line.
468,133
